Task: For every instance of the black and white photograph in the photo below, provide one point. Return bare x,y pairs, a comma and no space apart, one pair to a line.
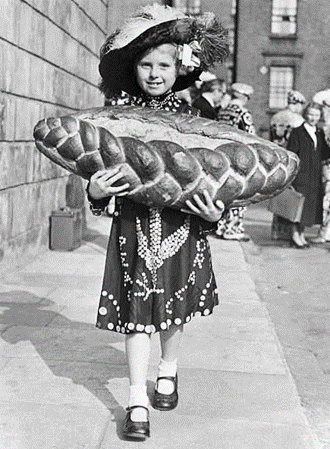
164,224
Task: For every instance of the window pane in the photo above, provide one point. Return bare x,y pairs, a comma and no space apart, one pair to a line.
192,7
181,5
281,82
284,17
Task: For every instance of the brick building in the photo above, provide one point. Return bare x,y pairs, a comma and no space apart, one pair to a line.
281,44
49,56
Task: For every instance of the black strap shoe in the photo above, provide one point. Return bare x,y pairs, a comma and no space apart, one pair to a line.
166,401
136,430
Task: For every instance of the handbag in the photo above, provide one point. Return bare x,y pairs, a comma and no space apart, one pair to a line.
288,204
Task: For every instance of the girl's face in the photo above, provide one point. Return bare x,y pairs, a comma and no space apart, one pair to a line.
313,116
156,71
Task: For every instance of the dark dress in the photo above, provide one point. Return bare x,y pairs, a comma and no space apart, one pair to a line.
158,268
206,109
309,178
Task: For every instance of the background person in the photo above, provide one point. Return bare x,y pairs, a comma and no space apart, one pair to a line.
291,117
308,142
281,125
231,226
323,98
209,100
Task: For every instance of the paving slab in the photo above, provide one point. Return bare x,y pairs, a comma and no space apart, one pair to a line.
35,426
61,344
196,432
22,293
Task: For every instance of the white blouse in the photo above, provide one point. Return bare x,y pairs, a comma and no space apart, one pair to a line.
312,132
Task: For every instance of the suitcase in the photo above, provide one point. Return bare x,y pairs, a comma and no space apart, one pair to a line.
288,204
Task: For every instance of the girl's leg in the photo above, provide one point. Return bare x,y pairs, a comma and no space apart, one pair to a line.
137,354
170,344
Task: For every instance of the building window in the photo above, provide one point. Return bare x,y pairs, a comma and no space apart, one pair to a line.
233,7
192,7
280,83
284,17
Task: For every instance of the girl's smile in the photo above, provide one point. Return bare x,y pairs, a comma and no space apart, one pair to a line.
156,71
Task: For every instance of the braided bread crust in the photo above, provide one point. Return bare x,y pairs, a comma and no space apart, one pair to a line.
166,157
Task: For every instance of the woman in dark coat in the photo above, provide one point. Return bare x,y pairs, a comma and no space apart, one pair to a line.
308,142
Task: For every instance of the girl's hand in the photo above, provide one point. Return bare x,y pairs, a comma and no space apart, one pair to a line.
205,209
101,184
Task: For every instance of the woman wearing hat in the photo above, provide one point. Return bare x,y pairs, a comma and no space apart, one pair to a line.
158,272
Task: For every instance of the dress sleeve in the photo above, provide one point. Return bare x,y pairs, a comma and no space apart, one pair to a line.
207,226
97,206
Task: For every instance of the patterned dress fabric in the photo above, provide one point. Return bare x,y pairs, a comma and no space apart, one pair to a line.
238,116
231,226
158,268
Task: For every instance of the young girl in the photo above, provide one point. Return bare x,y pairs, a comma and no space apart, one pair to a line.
158,272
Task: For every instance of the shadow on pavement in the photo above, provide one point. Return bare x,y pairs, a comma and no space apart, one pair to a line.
73,350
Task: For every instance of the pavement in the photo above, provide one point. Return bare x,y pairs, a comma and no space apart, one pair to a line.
63,383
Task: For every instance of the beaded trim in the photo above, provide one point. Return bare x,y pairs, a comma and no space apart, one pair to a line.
157,251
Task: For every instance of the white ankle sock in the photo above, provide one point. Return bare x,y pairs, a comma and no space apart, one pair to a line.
166,369
138,396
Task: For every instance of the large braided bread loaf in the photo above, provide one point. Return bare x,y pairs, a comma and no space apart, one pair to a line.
168,157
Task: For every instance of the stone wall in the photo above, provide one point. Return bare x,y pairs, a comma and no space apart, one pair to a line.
49,57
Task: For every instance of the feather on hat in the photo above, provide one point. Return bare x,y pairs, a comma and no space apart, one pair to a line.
156,25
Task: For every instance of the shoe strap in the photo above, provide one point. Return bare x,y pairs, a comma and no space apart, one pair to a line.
129,409
171,378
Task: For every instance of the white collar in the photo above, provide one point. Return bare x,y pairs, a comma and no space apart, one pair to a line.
312,132
310,127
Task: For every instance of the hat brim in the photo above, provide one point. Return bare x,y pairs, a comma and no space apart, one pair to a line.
117,66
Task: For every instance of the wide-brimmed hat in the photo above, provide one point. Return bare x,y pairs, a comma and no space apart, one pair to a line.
202,43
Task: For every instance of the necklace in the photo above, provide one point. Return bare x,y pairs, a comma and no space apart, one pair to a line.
168,100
